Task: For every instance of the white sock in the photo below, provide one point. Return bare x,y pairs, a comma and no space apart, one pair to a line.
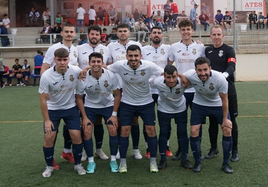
168,143
113,158
67,150
91,159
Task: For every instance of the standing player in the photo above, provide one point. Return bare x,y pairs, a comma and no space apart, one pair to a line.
99,101
210,100
57,101
171,104
118,52
157,53
184,53
94,37
68,33
223,59
136,101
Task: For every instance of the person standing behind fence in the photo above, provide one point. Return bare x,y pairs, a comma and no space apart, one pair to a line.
80,14
34,15
92,15
59,19
4,38
193,15
175,11
46,16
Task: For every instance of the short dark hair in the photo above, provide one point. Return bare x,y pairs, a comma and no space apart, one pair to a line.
202,60
122,26
26,60
39,52
96,55
170,69
16,59
186,23
133,48
114,28
218,10
157,27
61,53
94,28
68,24
5,15
104,29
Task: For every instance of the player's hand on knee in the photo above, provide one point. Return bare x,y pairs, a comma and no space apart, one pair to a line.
114,121
48,126
86,122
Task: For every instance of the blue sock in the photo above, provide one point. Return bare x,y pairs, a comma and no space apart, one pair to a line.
25,82
98,134
77,152
195,145
152,145
123,146
88,145
184,147
67,138
227,144
49,153
113,144
135,133
162,141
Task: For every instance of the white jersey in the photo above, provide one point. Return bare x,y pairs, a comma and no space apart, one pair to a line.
85,50
136,90
170,100
49,57
207,93
119,51
80,13
159,56
91,14
59,87
98,92
184,56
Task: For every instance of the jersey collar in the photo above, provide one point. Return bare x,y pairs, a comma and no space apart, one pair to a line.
89,72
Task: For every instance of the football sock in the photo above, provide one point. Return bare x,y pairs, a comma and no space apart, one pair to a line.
113,144
124,142
135,134
152,144
98,134
227,144
88,145
48,153
77,152
195,145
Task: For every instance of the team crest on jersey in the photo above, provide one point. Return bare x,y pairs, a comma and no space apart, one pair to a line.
75,55
220,53
177,91
71,78
101,51
162,51
211,86
194,51
142,72
106,84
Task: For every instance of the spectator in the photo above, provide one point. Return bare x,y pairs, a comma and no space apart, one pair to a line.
227,20
104,36
205,8
56,33
46,16
130,21
112,17
112,37
252,17
141,30
167,6
136,15
45,33
159,20
83,37
6,74
204,20
2,70
38,61
59,19
218,18
260,21
80,12
193,15
25,71
16,71
6,21
175,11
92,15
4,38
34,16
182,16
168,20
100,16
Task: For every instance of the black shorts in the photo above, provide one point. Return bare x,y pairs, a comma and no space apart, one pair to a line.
233,105
37,71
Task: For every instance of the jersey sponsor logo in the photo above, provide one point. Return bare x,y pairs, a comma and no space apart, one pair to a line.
71,78
231,60
162,51
148,54
89,87
142,72
55,83
75,55
220,53
106,84
185,54
210,52
211,86
194,51
101,51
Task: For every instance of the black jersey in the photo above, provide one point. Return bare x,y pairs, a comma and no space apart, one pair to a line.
223,60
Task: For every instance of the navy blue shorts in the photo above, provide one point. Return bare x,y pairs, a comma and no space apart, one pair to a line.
106,113
70,117
199,113
128,112
189,99
25,74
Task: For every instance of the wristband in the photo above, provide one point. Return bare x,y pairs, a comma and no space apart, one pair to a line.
114,113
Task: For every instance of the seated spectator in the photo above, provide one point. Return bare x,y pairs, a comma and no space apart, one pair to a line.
136,15
34,17
182,16
16,71
104,36
159,20
56,33
204,20
112,16
260,21
25,72
45,33
218,18
46,16
168,20
83,36
38,61
59,19
141,30
4,38
100,16
112,37
6,21
130,21
252,18
2,69
227,20
6,74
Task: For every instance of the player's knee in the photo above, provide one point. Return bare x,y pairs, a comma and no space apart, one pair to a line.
112,131
150,130
194,130
125,130
75,136
227,130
